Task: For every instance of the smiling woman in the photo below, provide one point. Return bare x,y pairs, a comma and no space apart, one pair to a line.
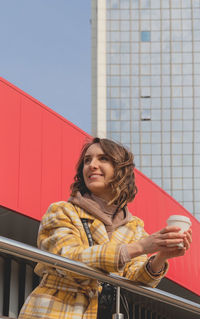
96,228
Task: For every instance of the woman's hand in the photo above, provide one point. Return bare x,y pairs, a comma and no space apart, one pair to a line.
161,240
171,252
164,242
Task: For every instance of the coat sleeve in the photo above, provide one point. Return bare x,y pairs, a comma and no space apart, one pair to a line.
60,233
136,269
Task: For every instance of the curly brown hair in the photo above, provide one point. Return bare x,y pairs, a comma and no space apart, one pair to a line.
123,183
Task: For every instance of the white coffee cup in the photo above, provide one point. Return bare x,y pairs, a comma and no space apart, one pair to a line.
180,221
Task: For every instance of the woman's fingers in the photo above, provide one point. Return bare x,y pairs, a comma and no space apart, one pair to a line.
188,239
171,234
169,229
174,238
167,239
189,235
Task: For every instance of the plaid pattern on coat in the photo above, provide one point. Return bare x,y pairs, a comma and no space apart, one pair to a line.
65,295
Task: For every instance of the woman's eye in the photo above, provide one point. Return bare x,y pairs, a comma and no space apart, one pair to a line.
104,158
86,160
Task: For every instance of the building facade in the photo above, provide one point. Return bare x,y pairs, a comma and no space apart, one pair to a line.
146,88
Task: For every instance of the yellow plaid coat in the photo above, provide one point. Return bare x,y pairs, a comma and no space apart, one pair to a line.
65,295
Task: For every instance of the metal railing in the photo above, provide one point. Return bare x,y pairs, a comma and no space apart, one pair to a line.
24,251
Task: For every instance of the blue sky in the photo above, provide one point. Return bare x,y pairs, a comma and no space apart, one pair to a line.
46,52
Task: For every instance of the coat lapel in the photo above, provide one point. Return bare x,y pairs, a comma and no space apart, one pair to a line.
99,233
124,233
97,228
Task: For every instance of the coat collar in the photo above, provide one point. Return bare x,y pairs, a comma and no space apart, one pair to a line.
97,228
99,232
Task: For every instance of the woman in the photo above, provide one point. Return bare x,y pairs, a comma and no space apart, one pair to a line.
104,184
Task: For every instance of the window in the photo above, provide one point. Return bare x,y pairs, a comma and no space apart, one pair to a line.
125,127
145,92
145,36
115,126
145,4
146,160
125,115
114,103
115,114
125,137
146,115
124,4
114,4
135,4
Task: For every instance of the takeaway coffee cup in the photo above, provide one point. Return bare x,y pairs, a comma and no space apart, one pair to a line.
180,221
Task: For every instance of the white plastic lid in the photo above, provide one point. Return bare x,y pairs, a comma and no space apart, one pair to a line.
180,218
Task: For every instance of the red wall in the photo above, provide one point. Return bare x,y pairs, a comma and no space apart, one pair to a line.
39,150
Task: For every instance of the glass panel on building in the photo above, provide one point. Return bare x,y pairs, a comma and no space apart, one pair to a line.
145,36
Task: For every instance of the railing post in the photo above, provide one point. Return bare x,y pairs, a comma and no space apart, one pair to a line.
118,315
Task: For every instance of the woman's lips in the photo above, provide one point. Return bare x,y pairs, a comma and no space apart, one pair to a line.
93,176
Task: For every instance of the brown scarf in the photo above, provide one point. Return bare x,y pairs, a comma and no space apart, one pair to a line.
98,208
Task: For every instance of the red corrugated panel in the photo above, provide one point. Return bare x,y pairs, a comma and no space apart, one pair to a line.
39,149
9,141
38,152
30,154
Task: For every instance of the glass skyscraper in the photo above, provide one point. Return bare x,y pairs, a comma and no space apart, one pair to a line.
146,88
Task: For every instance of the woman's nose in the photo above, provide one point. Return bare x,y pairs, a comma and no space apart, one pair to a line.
94,163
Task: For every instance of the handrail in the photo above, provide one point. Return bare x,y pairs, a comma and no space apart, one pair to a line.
15,248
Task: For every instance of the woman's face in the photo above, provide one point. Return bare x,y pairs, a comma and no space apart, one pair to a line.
98,170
